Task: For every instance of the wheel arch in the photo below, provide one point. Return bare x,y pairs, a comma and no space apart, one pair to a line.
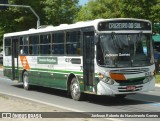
69,79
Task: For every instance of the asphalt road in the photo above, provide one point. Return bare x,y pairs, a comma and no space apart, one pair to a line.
142,102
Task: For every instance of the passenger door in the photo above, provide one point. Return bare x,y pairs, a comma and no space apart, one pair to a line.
14,58
88,58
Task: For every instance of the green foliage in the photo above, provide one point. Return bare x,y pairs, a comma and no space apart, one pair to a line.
143,9
18,19
158,78
99,9
53,12
60,11
156,28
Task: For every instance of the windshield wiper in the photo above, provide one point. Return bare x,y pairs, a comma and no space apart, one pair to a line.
140,35
115,39
138,39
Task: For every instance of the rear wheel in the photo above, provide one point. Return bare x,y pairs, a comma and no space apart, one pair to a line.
25,81
75,90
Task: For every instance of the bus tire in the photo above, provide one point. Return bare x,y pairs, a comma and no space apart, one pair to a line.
25,81
75,90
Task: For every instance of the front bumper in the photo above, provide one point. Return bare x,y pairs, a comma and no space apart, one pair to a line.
106,89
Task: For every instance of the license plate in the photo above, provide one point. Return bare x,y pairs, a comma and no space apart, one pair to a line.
131,88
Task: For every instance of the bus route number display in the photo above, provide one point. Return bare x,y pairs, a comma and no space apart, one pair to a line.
124,25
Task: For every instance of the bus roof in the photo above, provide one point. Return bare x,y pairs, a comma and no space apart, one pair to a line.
67,26
156,38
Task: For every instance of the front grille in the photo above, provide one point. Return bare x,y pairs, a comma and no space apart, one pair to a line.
137,81
124,83
130,71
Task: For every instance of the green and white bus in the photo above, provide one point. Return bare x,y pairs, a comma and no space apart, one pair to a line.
102,57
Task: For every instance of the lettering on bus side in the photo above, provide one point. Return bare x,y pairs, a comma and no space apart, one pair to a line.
47,60
68,60
73,60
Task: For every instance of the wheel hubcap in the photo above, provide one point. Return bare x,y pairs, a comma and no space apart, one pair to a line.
75,89
25,81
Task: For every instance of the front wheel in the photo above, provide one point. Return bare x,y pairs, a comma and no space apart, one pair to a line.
25,81
75,90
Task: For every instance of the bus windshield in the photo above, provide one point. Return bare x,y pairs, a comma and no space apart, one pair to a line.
124,50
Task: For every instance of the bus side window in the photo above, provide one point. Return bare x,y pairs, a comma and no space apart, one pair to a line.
7,45
45,44
24,42
34,45
73,43
58,43
23,50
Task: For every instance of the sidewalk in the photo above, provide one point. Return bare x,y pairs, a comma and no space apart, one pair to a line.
14,104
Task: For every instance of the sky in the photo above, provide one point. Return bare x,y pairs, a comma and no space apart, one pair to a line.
82,2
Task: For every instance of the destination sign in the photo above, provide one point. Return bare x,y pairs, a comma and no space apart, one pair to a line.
124,25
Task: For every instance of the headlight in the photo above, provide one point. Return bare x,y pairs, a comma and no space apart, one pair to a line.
105,79
147,79
101,76
108,80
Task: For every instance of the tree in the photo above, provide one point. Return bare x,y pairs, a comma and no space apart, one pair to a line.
99,9
60,11
18,19
156,27
144,9
50,11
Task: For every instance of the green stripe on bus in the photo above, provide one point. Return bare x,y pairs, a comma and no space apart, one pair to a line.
57,71
49,70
